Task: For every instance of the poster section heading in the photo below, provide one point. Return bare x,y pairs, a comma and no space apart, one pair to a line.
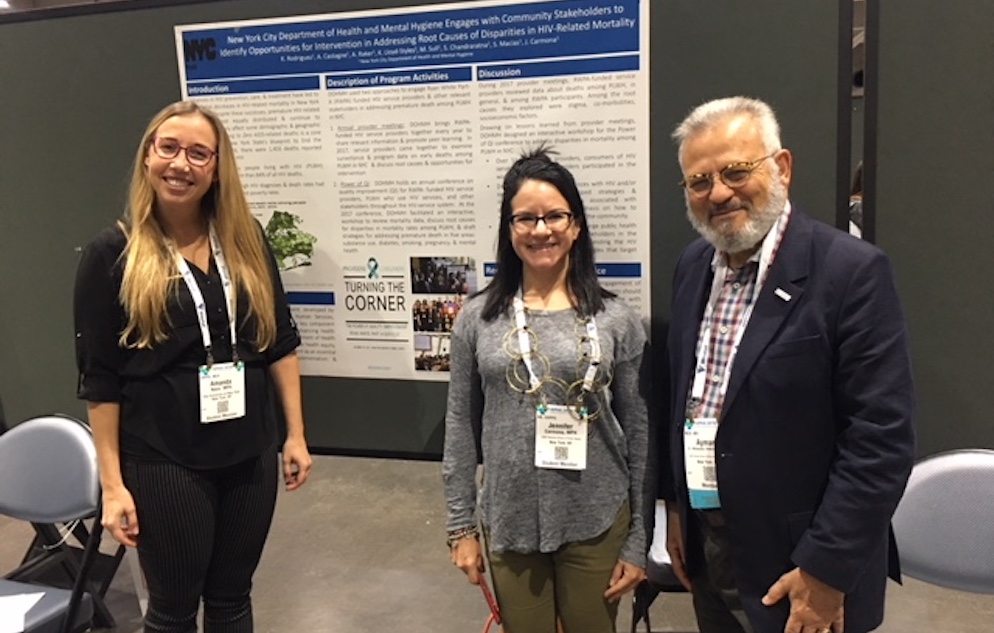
459,36
418,77
616,270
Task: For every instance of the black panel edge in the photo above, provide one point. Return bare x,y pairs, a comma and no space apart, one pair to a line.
871,109
49,13
843,132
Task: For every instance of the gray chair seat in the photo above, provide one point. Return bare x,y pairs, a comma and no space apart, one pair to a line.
46,615
944,524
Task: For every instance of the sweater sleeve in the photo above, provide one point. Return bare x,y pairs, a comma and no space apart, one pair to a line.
463,424
630,389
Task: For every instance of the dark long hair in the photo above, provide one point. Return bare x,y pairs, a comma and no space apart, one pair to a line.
581,279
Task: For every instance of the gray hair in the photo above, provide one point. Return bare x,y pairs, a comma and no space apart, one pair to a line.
709,114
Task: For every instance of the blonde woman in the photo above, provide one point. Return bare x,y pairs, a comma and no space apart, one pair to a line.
182,326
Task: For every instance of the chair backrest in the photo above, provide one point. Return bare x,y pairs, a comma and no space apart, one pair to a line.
48,471
944,524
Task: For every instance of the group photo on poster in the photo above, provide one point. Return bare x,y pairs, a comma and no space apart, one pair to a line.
440,286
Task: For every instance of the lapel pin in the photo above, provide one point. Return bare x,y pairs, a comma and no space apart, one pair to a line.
780,292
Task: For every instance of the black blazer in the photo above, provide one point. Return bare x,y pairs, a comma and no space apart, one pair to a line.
815,442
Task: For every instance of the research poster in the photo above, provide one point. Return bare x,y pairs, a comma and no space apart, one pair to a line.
372,145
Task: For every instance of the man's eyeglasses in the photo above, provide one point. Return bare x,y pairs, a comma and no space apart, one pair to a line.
734,176
196,154
554,221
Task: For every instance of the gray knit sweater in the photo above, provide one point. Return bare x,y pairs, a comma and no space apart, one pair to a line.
529,509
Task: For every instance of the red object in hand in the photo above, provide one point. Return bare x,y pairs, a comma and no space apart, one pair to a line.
494,609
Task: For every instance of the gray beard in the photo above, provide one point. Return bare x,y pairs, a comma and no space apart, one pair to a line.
758,223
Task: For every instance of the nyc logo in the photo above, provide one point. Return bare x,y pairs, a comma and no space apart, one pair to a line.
198,50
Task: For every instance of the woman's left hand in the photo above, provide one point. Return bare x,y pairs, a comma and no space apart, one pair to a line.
297,463
624,578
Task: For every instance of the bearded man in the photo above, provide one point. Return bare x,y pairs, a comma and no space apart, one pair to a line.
790,425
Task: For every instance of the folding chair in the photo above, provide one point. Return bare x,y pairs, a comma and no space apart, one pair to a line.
48,476
659,574
944,524
53,560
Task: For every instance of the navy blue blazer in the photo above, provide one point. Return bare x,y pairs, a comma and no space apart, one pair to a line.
815,441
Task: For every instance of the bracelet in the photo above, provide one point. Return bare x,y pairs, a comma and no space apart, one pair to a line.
457,535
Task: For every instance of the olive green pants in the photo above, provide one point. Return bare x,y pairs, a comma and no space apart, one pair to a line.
533,589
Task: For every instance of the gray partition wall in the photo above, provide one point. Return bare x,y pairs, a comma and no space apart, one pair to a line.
935,208
77,87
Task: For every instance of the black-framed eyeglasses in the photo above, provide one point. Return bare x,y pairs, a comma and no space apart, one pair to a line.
734,176
196,154
554,221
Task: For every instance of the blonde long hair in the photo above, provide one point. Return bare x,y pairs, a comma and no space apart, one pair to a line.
150,271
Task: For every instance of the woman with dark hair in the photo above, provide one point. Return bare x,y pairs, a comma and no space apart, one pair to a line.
550,366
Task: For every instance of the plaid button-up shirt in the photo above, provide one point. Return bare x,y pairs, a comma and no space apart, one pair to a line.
731,305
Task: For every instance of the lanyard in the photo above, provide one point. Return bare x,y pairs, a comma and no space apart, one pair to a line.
766,252
525,344
198,297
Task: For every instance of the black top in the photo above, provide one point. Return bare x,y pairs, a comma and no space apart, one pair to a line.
157,388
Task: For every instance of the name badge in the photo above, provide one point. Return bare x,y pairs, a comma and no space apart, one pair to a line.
698,457
222,392
560,438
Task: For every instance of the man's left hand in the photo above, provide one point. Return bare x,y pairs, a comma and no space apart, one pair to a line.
814,606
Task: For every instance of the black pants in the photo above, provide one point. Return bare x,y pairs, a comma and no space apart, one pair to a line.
201,534
716,598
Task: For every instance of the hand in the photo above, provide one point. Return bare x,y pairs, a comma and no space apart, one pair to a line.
814,606
297,463
625,577
467,555
119,516
674,545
